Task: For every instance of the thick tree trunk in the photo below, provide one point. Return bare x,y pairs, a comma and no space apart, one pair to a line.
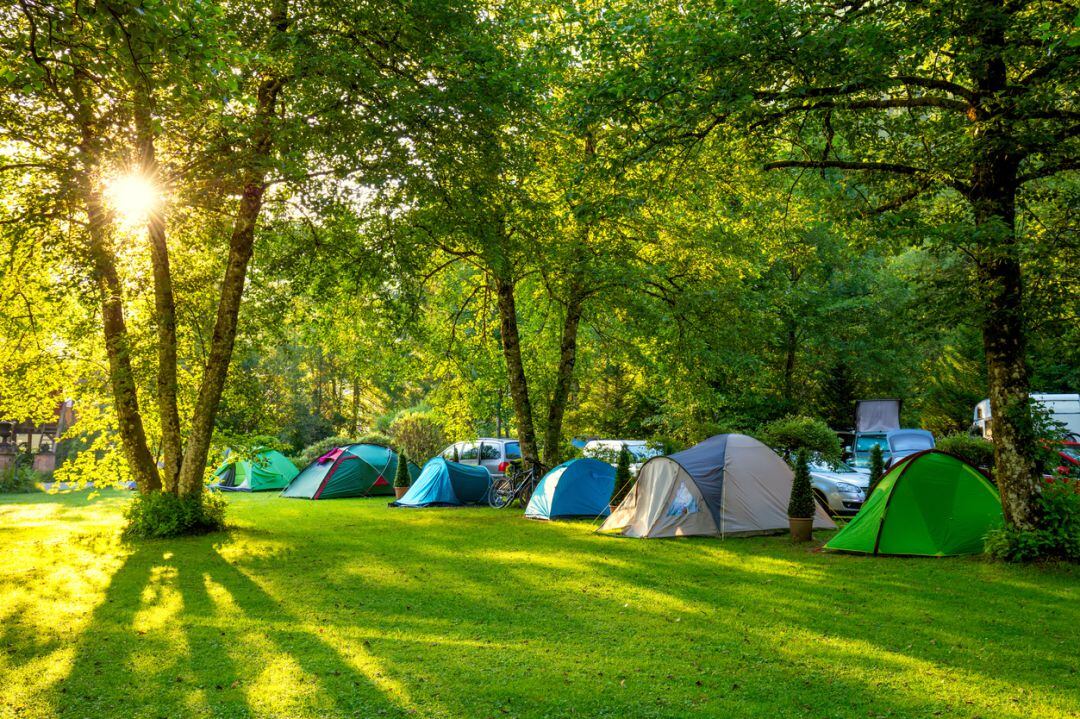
564,377
519,388
241,246
117,342
993,190
164,304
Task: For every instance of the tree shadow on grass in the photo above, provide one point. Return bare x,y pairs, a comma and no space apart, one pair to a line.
181,632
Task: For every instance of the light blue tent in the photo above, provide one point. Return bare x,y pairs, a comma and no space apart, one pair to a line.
443,483
578,488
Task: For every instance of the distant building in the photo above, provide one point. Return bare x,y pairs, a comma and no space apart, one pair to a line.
38,440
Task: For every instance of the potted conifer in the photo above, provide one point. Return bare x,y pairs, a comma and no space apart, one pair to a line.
402,480
877,469
801,504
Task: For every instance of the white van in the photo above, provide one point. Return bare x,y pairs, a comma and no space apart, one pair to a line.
1064,408
607,450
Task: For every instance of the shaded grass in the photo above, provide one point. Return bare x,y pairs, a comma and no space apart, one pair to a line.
347,608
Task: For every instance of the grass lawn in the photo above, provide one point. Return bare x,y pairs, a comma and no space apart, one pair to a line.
347,608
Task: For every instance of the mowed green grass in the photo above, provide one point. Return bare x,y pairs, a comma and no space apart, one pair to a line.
348,608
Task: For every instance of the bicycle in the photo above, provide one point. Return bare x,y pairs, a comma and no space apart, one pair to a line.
518,483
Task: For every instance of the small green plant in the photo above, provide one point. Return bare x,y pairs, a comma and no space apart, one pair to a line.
401,475
455,458
1058,536
622,476
801,504
157,515
877,468
19,478
976,451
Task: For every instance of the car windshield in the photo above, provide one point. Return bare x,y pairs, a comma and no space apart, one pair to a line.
641,452
865,444
1072,451
909,442
513,450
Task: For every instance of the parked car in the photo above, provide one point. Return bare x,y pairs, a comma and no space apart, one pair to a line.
1070,457
840,489
895,445
494,453
607,450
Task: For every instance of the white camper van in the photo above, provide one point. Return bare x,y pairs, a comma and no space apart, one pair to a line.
1064,408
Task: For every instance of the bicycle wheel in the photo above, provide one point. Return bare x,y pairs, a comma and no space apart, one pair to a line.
526,491
501,493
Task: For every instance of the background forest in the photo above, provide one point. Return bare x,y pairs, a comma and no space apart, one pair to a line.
605,175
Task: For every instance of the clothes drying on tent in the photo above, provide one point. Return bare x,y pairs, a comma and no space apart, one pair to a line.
728,485
931,504
443,483
578,488
357,470
267,470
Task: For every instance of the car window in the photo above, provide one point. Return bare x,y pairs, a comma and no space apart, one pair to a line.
469,450
865,444
448,453
489,451
513,450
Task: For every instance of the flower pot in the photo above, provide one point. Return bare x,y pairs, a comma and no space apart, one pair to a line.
802,529
399,492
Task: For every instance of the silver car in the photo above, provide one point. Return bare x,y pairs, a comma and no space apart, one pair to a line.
839,489
495,454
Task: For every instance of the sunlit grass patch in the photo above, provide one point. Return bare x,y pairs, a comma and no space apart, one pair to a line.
348,608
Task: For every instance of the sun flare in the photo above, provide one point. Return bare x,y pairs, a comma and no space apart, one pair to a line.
133,197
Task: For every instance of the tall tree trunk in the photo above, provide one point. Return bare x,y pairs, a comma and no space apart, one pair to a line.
519,388
993,196
117,342
164,304
241,246
564,376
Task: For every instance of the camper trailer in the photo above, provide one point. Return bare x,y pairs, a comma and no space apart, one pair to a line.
1064,408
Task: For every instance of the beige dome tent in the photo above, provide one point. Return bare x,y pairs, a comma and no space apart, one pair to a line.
728,485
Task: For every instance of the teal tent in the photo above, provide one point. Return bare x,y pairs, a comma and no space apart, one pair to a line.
357,470
447,484
578,488
267,470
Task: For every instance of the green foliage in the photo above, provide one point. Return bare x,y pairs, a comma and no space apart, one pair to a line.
376,438
791,434
974,450
401,474
19,477
1058,536
877,468
623,480
418,434
801,503
455,457
314,451
158,515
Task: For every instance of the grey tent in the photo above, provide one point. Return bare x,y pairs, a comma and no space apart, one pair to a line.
877,415
728,485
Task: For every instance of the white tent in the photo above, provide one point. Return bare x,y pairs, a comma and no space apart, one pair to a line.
728,485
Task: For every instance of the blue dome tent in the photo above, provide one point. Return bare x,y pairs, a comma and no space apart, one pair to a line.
443,483
578,488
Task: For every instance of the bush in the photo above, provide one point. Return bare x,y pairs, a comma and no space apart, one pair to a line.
622,476
401,474
418,434
314,451
1058,537
376,438
976,451
801,504
157,515
19,478
791,434
877,469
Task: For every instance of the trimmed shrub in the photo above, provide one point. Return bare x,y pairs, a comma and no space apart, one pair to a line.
157,515
877,468
789,435
1058,537
801,504
401,475
418,434
622,476
976,451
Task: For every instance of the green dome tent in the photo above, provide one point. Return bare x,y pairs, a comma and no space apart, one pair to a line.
268,470
932,504
357,470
